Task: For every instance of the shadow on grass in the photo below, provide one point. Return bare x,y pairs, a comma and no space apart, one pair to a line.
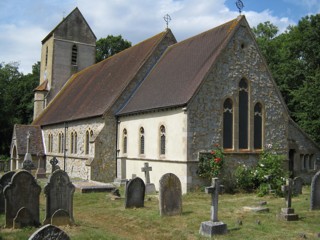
187,213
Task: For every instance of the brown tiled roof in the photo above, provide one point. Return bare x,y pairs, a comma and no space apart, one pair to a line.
180,71
92,92
36,144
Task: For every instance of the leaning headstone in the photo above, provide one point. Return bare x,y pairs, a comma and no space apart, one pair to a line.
4,181
150,187
49,232
315,192
135,192
297,185
287,213
214,226
22,192
59,196
170,195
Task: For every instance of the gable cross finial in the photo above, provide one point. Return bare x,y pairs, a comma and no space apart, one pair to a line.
239,5
167,19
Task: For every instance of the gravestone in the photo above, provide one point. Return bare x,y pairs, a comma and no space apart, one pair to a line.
287,213
135,192
59,197
54,164
27,163
49,232
214,226
150,188
41,171
22,192
170,195
297,185
315,192
4,181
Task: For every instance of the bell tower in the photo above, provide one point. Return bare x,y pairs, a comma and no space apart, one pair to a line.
67,49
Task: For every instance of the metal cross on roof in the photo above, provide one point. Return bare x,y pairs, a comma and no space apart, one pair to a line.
167,19
239,5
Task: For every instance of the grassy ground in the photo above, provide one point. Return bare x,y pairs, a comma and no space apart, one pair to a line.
99,217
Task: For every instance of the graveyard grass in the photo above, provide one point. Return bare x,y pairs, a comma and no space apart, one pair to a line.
98,217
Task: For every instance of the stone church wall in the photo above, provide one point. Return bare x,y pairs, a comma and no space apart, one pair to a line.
77,164
241,59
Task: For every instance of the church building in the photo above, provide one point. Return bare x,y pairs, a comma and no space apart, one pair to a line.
160,102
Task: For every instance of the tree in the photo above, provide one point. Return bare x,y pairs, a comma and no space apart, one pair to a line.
106,47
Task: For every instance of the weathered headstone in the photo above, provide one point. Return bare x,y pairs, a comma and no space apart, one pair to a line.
59,196
297,185
49,232
135,192
150,187
315,192
170,195
23,219
4,181
214,226
287,213
22,192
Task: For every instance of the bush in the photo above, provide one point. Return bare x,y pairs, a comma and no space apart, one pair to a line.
210,164
267,175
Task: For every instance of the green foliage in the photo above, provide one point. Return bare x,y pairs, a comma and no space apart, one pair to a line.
294,60
268,175
210,164
106,47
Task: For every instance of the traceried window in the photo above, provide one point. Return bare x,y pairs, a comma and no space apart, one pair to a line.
73,140
50,142
162,140
141,140
87,141
74,56
125,140
243,114
257,135
61,143
228,124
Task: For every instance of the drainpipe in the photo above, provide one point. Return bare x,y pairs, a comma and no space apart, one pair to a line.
65,145
117,127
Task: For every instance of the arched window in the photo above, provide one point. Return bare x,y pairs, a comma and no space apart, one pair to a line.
227,123
243,114
74,56
75,142
87,142
125,141
71,145
50,142
59,143
46,55
141,140
257,133
162,140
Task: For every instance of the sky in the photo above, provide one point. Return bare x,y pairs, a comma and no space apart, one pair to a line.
25,23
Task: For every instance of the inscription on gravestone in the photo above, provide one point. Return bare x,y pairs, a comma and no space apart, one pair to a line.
49,232
135,193
22,192
59,196
170,195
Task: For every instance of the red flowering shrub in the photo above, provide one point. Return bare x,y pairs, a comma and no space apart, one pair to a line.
210,164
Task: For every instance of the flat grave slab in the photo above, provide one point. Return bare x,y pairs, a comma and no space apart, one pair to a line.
86,186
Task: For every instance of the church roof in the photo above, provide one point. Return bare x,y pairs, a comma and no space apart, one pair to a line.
91,92
20,133
181,70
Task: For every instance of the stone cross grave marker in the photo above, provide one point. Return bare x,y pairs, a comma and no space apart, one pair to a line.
27,163
214,226
135,192
4,181
59,197
150,187
146,170
49,232
22,200
54,163
288,212
315,192
170,195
